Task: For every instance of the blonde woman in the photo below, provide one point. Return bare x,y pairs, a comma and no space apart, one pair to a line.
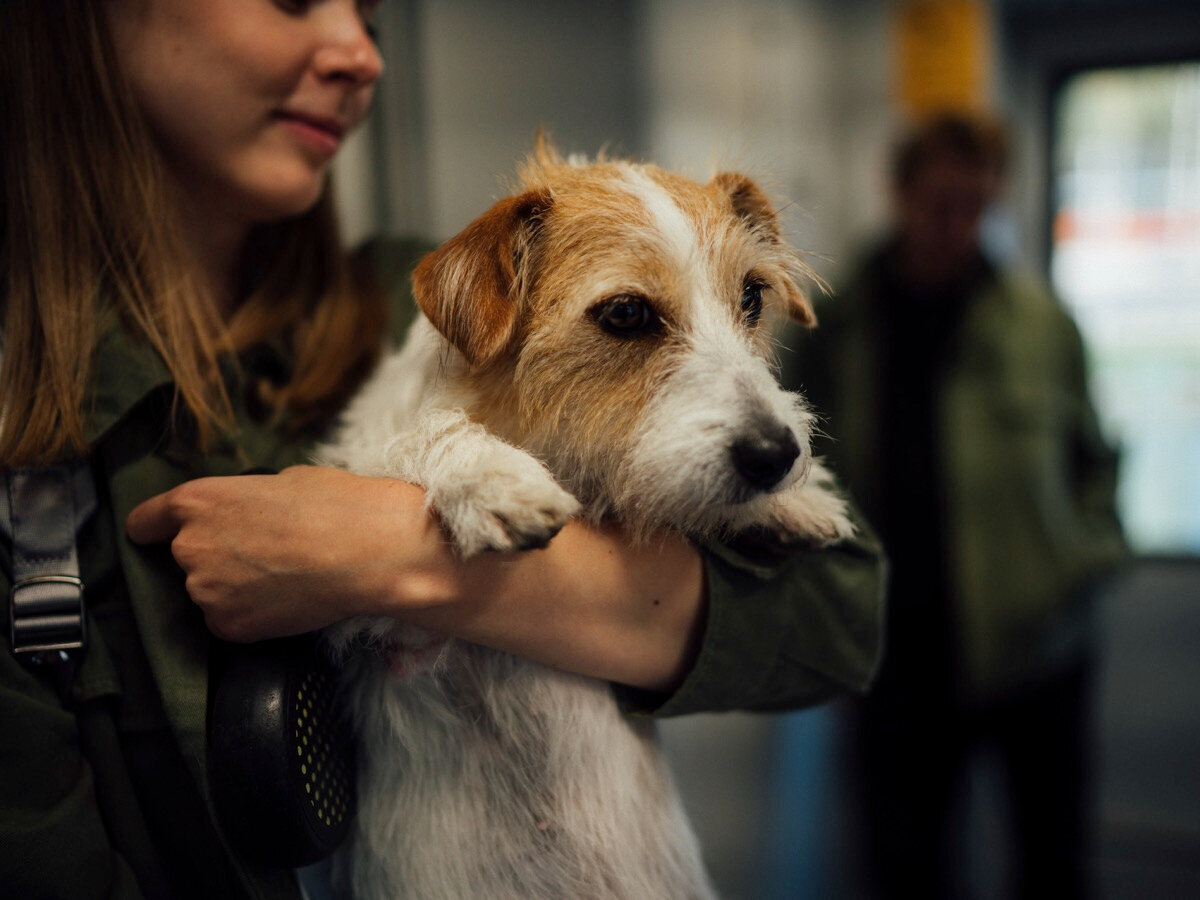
176,306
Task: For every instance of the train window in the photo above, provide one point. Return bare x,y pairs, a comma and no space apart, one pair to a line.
1125,256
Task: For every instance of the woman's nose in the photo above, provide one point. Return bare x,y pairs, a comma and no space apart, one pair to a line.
349,53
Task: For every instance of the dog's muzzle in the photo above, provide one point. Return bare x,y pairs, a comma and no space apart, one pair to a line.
764,456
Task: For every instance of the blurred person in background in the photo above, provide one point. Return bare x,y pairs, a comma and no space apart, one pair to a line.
954,390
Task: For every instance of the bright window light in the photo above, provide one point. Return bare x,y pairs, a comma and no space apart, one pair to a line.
1126,259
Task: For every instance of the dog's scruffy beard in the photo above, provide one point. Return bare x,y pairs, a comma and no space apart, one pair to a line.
676,462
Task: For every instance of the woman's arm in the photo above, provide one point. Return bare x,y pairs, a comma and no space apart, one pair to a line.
267,556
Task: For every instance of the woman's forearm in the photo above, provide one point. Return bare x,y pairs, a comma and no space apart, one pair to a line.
267,556
589,603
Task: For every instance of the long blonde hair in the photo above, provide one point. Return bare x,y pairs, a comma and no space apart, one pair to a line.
85,237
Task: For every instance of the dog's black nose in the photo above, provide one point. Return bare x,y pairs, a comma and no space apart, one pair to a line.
762,459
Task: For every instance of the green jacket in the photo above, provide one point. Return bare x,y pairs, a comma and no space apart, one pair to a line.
779,633
1027,479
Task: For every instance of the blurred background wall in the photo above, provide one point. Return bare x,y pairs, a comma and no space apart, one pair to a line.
807,95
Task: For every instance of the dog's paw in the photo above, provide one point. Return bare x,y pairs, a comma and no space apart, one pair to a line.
819,516
811,512
508,502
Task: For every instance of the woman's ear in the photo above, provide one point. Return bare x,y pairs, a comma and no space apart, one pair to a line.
467,286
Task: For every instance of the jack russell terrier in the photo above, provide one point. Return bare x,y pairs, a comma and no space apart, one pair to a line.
595,345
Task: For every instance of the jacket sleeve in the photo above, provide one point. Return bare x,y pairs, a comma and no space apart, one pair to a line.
782,634
1094,462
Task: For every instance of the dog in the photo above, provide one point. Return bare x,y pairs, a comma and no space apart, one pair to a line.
594,345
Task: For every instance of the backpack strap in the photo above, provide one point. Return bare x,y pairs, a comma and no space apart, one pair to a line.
41,511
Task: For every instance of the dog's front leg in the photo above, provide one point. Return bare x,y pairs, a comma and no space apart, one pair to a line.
488,494
808,511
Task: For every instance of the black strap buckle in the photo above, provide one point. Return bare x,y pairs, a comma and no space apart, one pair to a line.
41,511
46,622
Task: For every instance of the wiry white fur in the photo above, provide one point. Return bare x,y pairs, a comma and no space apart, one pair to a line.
489,777
673,228
483,775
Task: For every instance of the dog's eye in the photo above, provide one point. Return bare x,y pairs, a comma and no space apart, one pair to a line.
626,316
752,299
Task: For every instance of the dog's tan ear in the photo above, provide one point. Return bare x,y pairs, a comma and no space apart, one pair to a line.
467,286
752,205
798,306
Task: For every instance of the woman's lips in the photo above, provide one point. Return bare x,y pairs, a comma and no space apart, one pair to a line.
321,134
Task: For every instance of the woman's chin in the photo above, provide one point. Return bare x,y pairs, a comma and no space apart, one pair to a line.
279,204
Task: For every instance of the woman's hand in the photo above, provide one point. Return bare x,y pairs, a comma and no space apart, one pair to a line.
267,556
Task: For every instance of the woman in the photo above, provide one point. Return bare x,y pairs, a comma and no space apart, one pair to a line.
176,306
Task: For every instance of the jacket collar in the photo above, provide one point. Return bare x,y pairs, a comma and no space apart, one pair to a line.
124,371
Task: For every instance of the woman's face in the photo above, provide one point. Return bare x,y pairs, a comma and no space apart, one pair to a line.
248,100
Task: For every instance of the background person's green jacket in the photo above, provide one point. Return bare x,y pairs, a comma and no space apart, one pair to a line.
1027,479
788,632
